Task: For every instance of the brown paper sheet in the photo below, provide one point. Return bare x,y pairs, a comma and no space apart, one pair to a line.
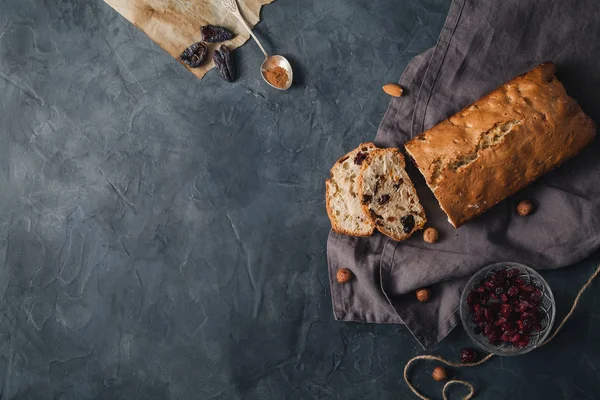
175,24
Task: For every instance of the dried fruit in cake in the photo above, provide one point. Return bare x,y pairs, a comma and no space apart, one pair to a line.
360,157
408,223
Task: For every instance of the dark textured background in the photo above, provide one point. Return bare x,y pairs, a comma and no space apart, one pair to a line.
163,237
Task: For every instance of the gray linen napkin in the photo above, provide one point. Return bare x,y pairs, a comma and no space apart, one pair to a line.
483,44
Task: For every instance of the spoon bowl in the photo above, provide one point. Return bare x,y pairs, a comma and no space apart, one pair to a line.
277,61
270,61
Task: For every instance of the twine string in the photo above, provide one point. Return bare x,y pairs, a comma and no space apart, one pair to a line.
489,356
458,381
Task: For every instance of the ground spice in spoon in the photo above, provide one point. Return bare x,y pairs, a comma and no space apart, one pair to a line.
277,77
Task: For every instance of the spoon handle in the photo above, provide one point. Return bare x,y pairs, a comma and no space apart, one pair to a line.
232,7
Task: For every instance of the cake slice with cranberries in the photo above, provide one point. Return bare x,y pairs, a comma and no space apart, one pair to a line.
342,201
388,196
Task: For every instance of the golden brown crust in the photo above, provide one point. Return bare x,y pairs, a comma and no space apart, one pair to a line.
501,143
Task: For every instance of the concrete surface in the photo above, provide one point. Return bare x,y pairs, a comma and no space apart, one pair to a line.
163,237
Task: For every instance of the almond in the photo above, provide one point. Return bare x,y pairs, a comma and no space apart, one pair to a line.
392,89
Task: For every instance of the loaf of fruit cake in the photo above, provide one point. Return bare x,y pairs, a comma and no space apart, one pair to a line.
501,143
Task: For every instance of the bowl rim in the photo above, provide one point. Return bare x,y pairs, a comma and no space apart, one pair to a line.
463,299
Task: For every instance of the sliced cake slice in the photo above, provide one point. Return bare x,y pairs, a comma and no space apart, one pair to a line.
388,195
342,201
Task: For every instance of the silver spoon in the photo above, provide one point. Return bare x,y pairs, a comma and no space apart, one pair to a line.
270,61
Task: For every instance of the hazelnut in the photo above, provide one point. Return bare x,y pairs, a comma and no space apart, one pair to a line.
431,235
423,295
344,275
524,208
439,374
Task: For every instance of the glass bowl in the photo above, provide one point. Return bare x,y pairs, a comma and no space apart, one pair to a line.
547,309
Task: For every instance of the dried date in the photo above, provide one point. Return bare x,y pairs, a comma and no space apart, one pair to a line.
224,62
215,34
194,55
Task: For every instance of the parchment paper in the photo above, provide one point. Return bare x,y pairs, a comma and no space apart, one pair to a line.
175,24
